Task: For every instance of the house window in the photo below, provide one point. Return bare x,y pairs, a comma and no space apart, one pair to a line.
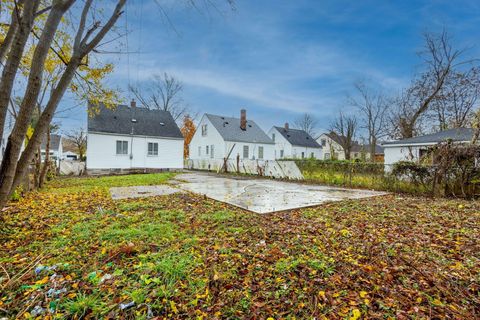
204,129
122,147
211,151
303,155
199,151
324,142
206,149
281,154
312,155
273,137
245,152
327,156
260,152
153,149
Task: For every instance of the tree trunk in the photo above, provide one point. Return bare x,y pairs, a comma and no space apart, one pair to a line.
15,140
13,61
38,166
46,162
12,31
44,121
81,48
373,144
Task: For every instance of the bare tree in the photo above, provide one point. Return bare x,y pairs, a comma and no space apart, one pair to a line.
79,140
453,108
345,127
307,123
440,60
162,93
373,107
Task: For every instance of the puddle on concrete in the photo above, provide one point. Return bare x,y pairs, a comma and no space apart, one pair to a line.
263,196
141,191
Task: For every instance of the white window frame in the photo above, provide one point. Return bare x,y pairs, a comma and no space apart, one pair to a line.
123,147
212,151
206,150
260,152
247,150
204,130
282,153
154,151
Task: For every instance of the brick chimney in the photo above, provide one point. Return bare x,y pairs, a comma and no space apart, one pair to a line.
243,119
133,103
286,125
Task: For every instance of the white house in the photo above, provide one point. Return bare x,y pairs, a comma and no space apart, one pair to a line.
133,138
219,137
413,149
55,148
294,143
331,147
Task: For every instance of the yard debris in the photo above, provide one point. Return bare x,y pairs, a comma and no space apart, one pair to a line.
128,305
40,268
37,311
186,257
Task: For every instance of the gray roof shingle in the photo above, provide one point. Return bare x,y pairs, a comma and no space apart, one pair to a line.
54,142
152,123
298,137
229,129
458,134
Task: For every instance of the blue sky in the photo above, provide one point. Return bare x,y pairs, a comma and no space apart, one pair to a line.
279,59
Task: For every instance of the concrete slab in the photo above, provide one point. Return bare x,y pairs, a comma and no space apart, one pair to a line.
118,193
262,195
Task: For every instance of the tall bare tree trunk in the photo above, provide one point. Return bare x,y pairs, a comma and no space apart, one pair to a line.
46,162
14,57
15,140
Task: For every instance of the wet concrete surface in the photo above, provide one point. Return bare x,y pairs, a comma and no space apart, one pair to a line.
118,193
263,195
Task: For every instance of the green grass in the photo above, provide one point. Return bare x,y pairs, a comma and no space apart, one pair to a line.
104,182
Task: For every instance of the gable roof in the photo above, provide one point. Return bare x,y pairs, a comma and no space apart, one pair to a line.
298,137
151,123
54,142
229,129
457,135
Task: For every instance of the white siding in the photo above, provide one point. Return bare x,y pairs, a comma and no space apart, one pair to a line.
222,148
290,151
101,152
401,153
330,147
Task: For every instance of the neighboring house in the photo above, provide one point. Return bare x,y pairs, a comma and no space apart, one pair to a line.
219,137
55,148
331,147
294,143
379,153
413,149
133,138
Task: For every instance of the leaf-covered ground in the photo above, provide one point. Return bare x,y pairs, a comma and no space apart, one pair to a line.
72,252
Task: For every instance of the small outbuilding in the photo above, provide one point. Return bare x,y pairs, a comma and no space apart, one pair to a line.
413,149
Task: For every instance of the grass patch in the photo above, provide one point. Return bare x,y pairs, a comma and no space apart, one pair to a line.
105,182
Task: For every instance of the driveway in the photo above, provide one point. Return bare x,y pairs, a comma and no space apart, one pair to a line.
263,195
